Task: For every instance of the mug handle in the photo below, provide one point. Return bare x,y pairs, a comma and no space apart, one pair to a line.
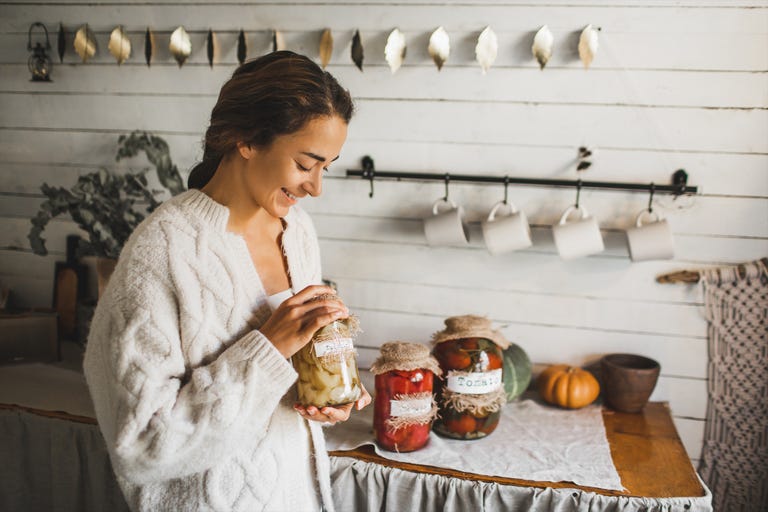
639,218
512,209
571,209
442,200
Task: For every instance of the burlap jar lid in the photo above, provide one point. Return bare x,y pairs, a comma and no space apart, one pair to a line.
349,326
469,326
405,356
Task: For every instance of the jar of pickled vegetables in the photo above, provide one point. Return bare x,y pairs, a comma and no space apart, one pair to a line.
404,407
471,394
327,366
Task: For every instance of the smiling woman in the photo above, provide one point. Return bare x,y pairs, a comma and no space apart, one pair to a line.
187,360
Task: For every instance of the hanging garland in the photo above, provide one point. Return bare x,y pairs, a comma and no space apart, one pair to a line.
439,47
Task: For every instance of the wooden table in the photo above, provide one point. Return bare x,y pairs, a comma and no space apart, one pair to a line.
646,450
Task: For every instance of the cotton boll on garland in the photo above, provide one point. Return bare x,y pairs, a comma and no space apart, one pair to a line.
542,46
487,48
394,51
588,44
439,47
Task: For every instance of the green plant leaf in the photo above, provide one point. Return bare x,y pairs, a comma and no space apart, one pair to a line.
106,205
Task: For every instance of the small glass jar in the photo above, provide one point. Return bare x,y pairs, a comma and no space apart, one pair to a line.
404,406
327,366
471,395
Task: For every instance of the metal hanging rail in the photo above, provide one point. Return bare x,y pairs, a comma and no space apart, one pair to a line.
679,184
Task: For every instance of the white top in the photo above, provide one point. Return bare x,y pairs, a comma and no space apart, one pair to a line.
195,404
278,298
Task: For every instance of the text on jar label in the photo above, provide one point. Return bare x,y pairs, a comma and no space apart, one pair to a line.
475,383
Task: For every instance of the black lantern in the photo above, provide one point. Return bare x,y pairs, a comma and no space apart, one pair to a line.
39,64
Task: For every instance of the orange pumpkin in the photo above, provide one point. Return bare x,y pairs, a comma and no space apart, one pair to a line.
568,386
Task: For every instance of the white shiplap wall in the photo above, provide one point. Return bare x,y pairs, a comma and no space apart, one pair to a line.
673,86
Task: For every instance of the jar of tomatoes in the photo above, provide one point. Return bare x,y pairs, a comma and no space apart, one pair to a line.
404,406
327,366
471,394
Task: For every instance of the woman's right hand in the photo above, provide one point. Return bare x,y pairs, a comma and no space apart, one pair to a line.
293,323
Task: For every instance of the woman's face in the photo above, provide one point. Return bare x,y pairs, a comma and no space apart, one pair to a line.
293,166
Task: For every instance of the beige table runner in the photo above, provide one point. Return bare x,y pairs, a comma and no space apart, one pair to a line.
532,442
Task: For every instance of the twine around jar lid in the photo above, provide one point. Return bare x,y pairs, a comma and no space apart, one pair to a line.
469,326
405,356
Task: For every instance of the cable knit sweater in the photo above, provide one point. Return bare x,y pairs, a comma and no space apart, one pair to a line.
195,404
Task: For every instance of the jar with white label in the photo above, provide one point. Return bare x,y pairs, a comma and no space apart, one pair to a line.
327,366
471,393
404,406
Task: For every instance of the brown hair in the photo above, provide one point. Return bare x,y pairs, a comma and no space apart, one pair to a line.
273,95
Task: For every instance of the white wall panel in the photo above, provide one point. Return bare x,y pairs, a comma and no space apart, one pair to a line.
730,90
671,129
715,173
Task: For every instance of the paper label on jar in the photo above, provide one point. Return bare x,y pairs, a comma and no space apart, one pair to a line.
333,347
475,383
410,407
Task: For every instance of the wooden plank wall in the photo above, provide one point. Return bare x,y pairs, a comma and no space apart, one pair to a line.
673,86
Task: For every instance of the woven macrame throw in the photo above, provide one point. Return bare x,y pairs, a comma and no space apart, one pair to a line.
734,462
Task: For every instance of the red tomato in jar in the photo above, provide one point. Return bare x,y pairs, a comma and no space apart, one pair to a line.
390,386
461,424
494,361
406,439
455,360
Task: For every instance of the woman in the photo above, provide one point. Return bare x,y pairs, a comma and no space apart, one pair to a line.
187,358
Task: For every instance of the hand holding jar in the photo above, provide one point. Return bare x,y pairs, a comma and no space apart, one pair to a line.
404,406
292,324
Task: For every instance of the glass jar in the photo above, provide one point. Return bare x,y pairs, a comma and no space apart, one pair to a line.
327,366
471,395
404,406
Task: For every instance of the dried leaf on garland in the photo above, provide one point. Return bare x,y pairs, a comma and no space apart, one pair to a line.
357,50
148,46
394,51
61,43
85,43
119,45
242,47
439,47
487,48
278,41
588,43
542,46
209,47
326,47
180,45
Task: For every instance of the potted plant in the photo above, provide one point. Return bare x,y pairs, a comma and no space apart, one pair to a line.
108,205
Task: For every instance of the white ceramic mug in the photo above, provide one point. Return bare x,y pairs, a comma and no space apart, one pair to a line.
579,237
446,227
651,241
506,233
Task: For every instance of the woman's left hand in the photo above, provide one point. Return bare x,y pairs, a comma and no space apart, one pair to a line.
333,415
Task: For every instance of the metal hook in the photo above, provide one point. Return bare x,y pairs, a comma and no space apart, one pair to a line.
369,172
650,200
447,179
506,188
680,180
578,192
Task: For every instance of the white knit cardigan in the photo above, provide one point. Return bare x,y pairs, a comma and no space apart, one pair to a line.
195,404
